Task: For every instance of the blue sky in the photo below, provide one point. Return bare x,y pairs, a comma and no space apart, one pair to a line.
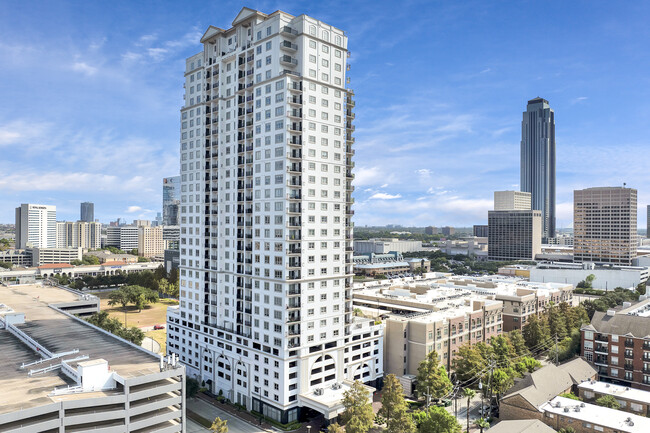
90,94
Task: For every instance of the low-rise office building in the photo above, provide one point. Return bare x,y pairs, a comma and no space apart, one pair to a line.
388,264
107,256
65,269
61,373
618,344
42,256
385,246
608,277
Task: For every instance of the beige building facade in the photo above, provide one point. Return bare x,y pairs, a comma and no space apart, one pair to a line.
605,225
511,200
151,241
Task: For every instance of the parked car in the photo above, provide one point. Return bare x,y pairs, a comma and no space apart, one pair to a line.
158,326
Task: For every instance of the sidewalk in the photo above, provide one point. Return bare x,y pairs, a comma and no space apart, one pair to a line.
254,421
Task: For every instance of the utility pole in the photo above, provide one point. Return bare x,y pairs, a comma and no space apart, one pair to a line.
428,395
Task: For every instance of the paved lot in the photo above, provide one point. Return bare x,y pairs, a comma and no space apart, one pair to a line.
193,427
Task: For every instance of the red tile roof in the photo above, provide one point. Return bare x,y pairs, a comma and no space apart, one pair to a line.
56,266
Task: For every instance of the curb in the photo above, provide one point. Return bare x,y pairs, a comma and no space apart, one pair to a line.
237,416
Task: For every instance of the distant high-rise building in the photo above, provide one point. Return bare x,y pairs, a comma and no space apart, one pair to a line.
87,212
76,234
35,226
514,234
270,190
604,225
151,241
538,161
431,230
171,200
511,200
480,230
448,231
124,238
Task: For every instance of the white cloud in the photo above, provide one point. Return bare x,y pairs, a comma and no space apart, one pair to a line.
384,196
84,68
133,209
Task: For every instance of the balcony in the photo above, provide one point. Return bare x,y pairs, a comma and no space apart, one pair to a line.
293,317
629,367
288,61
288,31
288,46
629,342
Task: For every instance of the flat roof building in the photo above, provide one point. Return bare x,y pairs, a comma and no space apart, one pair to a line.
58,370
386,245
511,200
35,226
514,234
604,225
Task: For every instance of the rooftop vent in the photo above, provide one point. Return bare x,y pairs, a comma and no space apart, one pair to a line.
611,312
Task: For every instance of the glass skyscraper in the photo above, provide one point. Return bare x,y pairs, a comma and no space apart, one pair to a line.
538,161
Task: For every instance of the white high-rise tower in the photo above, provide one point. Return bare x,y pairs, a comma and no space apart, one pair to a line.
35,226
265,313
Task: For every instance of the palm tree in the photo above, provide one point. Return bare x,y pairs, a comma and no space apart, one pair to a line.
482,423
469,393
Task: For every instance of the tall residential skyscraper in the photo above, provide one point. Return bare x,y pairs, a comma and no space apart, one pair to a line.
604,225
35,226
87,212
171,200
265,312
538,161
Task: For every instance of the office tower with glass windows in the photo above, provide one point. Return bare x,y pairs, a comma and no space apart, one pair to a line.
538,161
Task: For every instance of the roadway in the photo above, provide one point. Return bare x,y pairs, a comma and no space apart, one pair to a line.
208,411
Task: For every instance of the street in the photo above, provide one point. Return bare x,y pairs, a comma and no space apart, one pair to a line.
235,425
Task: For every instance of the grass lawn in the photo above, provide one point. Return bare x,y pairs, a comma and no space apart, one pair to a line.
153,314
159,335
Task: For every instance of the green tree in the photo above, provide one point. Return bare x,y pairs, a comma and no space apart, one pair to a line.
526,364
432,377
608,401
556,322
120,297
469,393
502,380
566,430
641,288
503,350
535,333
518,342
468,362
358,416
590,279
5,265
401,421
392,397
191,387
89,259
335,428
482,423
143,260
438,420
219,425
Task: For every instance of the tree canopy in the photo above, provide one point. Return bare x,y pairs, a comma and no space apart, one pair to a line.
358,416
432,377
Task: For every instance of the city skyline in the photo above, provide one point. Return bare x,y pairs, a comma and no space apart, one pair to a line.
417,162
